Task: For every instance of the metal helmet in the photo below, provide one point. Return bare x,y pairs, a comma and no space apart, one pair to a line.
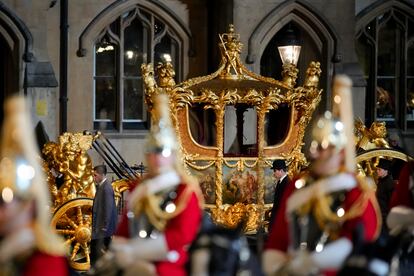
328,131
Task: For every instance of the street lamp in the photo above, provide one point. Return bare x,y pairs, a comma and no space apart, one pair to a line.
289,51
289,47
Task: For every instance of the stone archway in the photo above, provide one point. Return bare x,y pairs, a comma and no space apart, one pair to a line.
7,78
16,43
308,20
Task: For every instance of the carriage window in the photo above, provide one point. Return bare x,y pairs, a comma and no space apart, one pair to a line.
277,124
240,130
202,126
135,37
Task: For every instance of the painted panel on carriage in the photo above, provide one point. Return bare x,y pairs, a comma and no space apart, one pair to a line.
206,178
269,185
239,186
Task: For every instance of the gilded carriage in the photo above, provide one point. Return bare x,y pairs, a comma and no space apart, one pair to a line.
69,172
232,124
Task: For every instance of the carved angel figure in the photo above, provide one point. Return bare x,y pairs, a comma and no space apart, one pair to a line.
68,160
166,74
312,74
371,138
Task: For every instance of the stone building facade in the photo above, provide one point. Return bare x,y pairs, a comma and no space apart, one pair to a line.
99,85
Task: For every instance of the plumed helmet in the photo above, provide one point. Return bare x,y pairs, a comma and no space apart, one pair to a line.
162,138
21,176
19,167
328,131
336,128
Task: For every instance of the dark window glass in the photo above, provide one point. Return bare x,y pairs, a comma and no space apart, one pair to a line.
202,128
277,124
133,48
387,50
105,98
364,51
135,37
105,59
386,98
133,99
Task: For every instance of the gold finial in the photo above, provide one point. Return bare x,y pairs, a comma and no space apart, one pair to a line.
230,47
231,28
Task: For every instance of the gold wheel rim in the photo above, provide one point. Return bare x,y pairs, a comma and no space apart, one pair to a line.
73,220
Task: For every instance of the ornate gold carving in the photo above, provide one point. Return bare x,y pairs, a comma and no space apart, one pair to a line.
166,74
230,47
290,74
70,159
119,186
234,84
371,138
232,215
147,71
312,74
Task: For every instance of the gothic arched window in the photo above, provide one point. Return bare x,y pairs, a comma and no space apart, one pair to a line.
137,36
385,48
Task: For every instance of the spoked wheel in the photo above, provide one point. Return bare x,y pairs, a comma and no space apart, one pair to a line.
73,220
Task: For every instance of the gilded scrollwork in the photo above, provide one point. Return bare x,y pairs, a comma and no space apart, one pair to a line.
214,101
234,84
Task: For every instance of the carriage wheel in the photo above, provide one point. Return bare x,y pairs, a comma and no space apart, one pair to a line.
73,220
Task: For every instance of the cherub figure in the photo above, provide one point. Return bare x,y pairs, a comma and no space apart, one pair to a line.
312,74
69,159
371,138
166,74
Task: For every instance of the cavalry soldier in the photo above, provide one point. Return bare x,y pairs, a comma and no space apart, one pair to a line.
164,210
28,246
323,209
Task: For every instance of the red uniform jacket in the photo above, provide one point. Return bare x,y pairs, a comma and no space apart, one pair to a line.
279,238
402,194
179,233
46,265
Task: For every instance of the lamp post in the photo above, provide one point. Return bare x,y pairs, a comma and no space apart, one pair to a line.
289,51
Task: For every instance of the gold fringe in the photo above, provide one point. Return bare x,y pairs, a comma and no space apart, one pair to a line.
328,220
